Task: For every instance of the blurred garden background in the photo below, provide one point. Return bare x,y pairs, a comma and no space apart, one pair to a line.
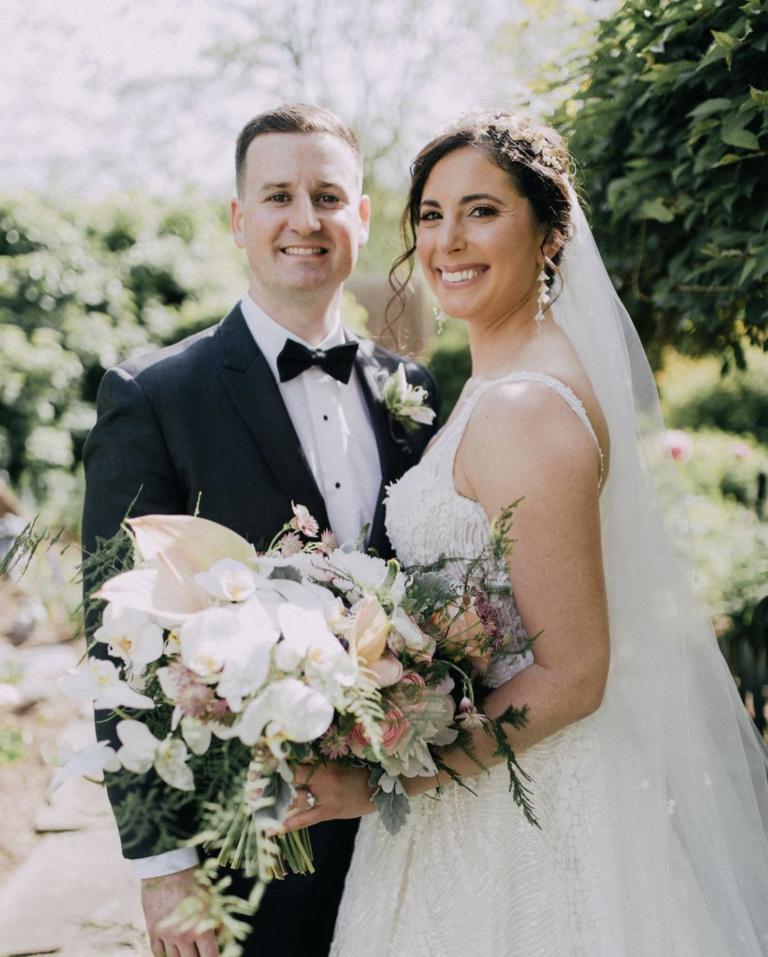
117,130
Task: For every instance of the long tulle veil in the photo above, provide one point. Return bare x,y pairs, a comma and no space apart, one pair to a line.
687,770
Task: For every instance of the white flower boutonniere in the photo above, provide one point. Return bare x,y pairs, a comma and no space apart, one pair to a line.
405,402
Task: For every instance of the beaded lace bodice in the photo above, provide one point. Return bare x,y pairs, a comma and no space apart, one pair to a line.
426,515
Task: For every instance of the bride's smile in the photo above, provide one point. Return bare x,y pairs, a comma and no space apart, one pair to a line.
478,241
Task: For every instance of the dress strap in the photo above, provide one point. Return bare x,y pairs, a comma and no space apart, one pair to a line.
564,391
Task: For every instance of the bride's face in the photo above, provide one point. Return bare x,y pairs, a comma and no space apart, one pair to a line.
478,241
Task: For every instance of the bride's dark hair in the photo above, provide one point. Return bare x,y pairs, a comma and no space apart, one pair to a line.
535,158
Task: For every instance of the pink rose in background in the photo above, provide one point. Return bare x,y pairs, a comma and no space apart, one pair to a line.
739,450
679,443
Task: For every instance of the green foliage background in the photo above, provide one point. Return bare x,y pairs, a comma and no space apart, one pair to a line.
83,287
669,125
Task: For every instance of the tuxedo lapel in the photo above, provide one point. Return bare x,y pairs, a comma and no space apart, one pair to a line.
252,387
372,377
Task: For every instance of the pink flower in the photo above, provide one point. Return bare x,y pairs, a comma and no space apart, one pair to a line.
303,522
388,671
290,545
328,541
469,717
739,450
679,444
358,741
333,744
395,726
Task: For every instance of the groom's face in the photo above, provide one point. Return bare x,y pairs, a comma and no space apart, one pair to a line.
301,218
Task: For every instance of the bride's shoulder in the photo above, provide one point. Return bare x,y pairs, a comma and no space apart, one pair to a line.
533,411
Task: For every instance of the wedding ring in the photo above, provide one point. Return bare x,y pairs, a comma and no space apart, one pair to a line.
311,799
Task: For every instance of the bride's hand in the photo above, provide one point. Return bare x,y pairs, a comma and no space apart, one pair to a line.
338,793
467,633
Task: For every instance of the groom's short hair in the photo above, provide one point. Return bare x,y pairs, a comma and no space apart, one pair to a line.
291,118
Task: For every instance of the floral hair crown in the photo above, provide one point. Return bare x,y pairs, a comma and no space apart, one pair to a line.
516,132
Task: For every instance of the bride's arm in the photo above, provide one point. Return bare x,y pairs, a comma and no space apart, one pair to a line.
524,441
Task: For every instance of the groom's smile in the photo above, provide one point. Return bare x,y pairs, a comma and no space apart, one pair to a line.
301,217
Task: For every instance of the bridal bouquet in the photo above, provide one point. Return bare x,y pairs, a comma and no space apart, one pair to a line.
246,664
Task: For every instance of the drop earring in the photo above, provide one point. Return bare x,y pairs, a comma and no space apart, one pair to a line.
439,319
543,299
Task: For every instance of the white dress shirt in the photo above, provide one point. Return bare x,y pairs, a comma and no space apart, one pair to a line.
334,428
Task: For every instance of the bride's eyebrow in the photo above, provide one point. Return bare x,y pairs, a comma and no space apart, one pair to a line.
475,196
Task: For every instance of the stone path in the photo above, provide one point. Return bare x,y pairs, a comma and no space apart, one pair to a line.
74,895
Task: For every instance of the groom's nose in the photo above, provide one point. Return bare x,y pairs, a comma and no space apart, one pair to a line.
303,217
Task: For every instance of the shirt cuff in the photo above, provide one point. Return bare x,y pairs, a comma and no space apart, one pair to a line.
171,862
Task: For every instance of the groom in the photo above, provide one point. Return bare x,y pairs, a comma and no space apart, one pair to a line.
276,404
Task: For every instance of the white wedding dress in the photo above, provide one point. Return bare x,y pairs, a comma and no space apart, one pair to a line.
468,875
653,810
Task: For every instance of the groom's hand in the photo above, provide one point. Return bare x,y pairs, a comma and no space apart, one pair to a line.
338,793
159,898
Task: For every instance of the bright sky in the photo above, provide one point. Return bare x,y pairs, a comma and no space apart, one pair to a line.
99,95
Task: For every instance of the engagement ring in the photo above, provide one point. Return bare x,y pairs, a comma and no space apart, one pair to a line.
311,799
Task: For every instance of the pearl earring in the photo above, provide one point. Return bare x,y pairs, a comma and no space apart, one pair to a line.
439,319
543,299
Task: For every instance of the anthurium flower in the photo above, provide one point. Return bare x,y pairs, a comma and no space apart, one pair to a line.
86,762
187,544
287,709
141,750
99,681
130,635
158,592
368,635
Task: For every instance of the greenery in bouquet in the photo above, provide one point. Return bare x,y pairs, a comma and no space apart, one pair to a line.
227,668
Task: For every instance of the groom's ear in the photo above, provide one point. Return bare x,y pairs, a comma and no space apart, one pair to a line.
236,220
365,220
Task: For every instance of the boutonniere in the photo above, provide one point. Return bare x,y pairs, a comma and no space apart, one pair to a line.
405,402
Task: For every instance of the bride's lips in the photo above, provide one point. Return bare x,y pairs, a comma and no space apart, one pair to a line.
459,277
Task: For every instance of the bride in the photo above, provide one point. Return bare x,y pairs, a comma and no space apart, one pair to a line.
649,780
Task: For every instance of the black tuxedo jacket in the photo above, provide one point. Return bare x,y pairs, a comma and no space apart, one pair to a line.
201,426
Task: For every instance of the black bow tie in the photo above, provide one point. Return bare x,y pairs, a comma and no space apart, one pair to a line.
295,358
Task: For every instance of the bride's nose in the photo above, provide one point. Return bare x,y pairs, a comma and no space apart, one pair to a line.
450,236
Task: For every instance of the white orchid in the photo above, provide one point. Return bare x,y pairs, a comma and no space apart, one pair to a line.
130,635
196,733
99,681
141,750
86,762
287,709
307,641
232,645
228,580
